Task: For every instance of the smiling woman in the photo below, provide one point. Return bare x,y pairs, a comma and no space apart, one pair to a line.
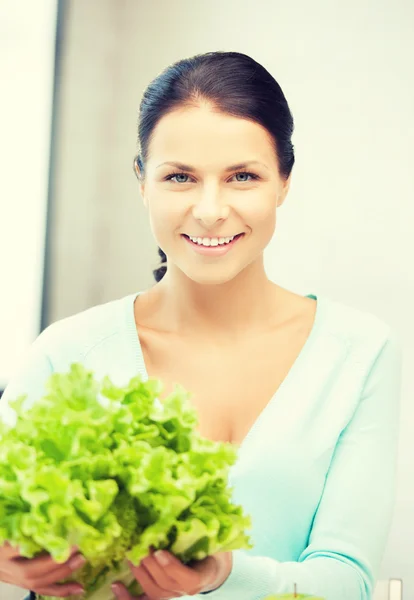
198,115
306,387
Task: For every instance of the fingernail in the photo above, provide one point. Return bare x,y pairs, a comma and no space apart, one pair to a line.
77,562
116,588
77,590
162,557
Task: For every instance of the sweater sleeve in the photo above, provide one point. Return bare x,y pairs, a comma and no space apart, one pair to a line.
353,519
29,379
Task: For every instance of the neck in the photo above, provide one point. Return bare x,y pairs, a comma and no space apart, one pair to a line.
221,312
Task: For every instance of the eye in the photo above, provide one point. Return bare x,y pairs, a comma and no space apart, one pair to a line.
180,177
171,176
252,175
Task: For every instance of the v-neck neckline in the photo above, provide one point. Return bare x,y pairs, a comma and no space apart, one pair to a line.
138,357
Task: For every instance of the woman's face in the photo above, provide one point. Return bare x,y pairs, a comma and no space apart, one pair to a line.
205,196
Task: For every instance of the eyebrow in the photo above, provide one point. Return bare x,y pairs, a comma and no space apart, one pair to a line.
242,165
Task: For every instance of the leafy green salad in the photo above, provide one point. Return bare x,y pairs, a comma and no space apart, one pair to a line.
113,472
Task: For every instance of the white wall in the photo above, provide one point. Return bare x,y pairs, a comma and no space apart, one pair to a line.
27,51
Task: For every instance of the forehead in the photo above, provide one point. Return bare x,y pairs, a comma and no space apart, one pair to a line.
199,135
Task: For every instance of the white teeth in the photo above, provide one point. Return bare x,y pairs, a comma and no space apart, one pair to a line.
212,241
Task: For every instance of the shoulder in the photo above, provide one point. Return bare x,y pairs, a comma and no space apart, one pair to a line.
362,331
74,337
95,337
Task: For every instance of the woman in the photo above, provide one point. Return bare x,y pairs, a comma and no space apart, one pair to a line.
308,387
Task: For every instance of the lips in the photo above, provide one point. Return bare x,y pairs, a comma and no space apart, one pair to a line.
212,236
213,251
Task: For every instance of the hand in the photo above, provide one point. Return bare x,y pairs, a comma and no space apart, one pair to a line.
39,574
174,579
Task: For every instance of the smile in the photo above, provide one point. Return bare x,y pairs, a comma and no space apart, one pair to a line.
212,246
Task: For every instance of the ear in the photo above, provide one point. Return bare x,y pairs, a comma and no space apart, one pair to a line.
284,192
138,173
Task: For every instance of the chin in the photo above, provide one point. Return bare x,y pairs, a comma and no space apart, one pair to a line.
206,276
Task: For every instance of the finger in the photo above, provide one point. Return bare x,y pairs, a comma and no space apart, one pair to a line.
120,591
61,591
207,566
185,575
207,570
9,551
149,586
176,578
214,570
62,572
43,565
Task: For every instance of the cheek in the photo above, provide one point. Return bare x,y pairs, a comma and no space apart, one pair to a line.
165,216
159,221
260,213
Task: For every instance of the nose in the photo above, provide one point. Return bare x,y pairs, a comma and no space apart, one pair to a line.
210,209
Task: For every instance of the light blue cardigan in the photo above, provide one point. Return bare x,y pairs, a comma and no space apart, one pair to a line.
317,471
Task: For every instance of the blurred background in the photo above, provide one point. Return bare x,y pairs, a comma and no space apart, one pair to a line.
74,232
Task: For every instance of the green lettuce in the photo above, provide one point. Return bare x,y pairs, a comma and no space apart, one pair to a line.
114,472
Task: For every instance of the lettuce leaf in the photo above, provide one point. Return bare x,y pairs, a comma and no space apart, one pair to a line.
114,472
